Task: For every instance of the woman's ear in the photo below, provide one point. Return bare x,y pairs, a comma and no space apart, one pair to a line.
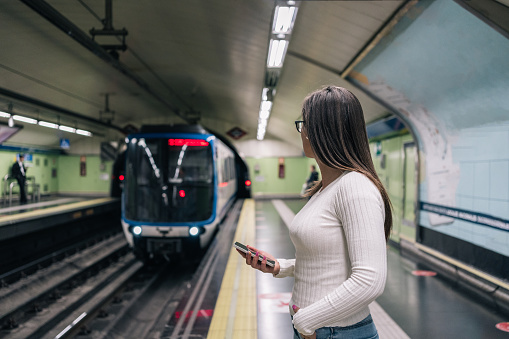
304,133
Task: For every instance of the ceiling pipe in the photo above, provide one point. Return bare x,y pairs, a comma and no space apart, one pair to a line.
57,19
44,105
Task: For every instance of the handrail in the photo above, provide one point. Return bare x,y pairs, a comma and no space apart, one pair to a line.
6,180
11,182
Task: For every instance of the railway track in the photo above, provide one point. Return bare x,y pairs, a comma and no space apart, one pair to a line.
33,305
104,292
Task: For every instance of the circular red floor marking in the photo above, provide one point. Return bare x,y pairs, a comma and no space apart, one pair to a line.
422,273
503,326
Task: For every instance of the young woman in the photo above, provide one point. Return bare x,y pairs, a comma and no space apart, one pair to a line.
340,235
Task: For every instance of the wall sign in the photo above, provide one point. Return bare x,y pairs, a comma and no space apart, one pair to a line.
83,166
281,171
236,133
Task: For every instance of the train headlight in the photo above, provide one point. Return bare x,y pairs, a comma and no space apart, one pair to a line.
136,230
194,231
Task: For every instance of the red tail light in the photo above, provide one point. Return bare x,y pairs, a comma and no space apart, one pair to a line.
248,182
188,142
223,184
182,193
121,177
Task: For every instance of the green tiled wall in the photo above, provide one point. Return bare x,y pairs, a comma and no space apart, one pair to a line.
392,177
70,180
67,170
265,178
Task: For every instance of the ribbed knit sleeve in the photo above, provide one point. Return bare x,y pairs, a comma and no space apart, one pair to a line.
286,268
360,209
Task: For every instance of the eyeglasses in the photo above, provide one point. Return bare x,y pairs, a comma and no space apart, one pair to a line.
298,125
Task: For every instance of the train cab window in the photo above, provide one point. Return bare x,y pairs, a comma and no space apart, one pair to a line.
232,169
226,175
168,182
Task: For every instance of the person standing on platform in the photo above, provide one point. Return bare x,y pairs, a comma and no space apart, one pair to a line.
19,173
312,177
340,234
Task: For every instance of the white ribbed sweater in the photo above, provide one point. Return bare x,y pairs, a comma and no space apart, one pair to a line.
340,263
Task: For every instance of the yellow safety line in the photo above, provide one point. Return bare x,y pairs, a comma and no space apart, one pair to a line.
407,238
463,266
235,314
51,210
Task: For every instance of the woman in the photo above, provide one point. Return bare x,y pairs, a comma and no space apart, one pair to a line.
340,234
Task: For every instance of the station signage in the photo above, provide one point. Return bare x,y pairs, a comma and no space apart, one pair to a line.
236,133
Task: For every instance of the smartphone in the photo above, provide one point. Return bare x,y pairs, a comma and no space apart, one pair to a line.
244,249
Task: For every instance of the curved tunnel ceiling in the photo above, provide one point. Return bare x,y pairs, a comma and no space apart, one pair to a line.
206,58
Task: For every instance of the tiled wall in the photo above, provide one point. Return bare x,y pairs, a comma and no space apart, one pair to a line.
447,72
57,173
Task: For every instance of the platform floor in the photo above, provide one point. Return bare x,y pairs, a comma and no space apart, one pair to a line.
46,202
410,307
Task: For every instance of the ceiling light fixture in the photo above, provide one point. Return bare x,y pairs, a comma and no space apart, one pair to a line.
24,119
83,132
282,26
47,124
284,19
264,93
11,117
266,105
264,115
67,129
268,94
277,51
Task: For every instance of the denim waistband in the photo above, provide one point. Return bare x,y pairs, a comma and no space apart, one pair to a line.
363,322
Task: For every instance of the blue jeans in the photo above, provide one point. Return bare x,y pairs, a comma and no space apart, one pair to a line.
364,329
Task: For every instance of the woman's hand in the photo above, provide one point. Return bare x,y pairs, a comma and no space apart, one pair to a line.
312,336
255,263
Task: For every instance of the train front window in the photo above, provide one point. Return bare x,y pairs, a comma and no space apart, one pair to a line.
169,180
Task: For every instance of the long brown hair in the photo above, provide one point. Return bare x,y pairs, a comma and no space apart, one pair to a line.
336,130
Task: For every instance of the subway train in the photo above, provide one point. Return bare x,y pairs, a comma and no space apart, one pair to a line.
177,183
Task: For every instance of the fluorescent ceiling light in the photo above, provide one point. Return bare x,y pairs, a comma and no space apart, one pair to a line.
281,53
261,134
4,115
264,115
283,19
264,94
277,52
66,129
83,132
48,124
266,105
24,119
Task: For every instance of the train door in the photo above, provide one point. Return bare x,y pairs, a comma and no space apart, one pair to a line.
407,231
